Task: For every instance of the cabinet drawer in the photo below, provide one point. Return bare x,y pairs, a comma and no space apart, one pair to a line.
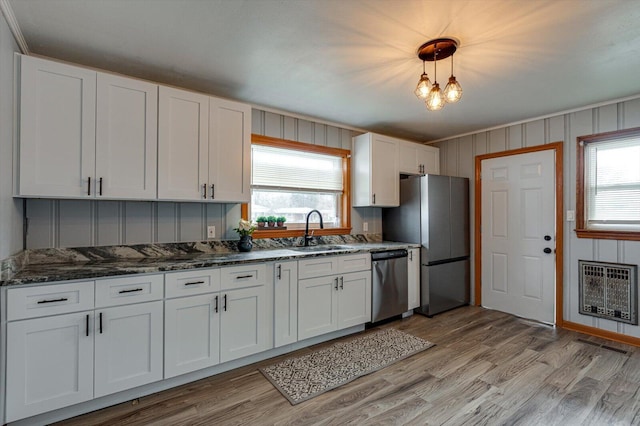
317,267
126,290
198,281
50,299
354,263
243,276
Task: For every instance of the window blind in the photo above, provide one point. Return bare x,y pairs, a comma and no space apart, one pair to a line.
612,183
291,169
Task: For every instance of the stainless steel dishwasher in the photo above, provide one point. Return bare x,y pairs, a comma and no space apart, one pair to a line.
389,295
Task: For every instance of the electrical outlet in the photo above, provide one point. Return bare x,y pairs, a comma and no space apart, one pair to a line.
365,226
211,231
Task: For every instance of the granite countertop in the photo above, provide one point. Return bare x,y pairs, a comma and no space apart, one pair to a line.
50,265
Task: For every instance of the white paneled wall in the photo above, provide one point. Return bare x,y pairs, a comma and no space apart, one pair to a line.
78,223
10,208
457,159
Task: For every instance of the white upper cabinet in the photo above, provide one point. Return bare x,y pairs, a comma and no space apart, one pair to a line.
229,151
376,178
204,148
418,159
126,138
85,134
183,144
57,129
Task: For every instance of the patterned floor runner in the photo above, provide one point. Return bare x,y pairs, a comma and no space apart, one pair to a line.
304,377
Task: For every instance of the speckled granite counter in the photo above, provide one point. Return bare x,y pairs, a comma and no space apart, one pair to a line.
49,265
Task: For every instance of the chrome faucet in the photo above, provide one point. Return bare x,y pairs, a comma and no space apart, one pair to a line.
308,237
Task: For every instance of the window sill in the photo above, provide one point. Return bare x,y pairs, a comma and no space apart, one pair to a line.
299,232
608,235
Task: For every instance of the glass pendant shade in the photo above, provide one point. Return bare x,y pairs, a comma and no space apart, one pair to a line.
453,91
423,87
435,101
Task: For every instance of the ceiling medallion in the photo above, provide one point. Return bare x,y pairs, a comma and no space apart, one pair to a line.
433,97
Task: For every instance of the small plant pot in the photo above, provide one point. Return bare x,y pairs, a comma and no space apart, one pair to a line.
271,224
280,224
261,224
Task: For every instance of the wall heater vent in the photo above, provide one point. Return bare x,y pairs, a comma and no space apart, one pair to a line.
609,290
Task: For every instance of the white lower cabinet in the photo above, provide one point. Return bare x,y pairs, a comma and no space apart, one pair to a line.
192,338
222,325
333,302
413,278
243,323
285,303
49,364
128,347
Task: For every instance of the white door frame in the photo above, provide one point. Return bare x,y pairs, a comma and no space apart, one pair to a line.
557,147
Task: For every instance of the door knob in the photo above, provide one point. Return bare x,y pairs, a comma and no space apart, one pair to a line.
547,237
547,250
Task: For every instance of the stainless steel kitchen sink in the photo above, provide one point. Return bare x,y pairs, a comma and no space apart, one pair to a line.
320,248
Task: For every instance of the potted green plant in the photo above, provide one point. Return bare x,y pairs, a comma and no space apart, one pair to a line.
271,220
261,221
245,229
280,220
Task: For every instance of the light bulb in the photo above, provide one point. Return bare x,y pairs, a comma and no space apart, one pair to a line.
435,100
423,87
453,91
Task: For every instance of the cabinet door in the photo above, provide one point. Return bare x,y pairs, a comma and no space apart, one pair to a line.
128,347
408,161
429,158
183,144
229,151
286,303
57,129
244,325
49,364
192,333
385,181
126,138
413,277
317,306
354,299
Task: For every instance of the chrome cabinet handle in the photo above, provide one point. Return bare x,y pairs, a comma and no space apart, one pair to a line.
341,283
336,279
280,271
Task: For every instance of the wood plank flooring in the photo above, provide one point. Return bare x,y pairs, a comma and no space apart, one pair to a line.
488,368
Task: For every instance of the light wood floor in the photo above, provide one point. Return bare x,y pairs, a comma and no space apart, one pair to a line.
487,368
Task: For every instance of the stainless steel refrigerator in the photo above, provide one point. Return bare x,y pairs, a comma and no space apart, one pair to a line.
434,212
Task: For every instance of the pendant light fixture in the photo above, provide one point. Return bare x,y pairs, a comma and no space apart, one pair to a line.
424,85
433,51
453,91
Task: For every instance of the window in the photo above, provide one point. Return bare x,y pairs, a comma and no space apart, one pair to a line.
608,184
289,179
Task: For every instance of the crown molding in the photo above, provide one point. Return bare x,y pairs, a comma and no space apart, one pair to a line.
7,11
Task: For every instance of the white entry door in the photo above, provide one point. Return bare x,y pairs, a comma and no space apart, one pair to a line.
518,235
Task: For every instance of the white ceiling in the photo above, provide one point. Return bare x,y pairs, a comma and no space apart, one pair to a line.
354,61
